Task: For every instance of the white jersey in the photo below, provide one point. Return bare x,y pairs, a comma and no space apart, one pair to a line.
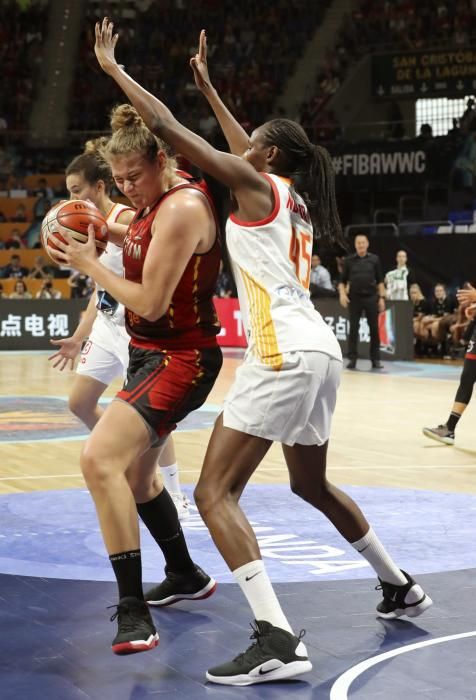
271,261
112,260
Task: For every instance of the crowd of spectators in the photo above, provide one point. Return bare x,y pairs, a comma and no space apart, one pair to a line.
391,25
250,61
22,33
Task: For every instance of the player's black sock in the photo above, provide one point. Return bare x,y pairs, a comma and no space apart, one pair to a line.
160,517
128,570
452,421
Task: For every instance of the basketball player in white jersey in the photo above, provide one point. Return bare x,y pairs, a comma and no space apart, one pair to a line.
105,354
286,389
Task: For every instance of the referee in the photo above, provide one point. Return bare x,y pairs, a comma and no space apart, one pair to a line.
362,289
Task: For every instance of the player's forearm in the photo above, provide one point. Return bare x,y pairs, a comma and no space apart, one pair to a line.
156,115
117,233
130,294
236,136
85,326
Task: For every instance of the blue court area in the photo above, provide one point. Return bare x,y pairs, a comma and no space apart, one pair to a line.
55,587
54,534
56,635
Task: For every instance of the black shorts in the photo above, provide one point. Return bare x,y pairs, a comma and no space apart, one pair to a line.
165,386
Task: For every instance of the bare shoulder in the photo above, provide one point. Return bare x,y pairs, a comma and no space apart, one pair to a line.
125,216
185,203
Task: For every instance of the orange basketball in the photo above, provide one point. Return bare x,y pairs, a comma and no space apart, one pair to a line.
75,215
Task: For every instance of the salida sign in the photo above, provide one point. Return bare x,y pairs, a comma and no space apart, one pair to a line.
424,73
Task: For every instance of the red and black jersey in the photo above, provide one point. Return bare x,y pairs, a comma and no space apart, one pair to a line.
190,320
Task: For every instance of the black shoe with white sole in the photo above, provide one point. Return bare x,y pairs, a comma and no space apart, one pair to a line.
136,630
196,585
408,599
274,655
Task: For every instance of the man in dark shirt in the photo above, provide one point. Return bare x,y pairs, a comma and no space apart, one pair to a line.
15,268
362,289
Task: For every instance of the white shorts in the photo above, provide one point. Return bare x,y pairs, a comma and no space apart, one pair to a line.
292,405
105,355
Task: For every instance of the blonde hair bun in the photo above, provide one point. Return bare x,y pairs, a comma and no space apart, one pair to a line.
125,116
94,147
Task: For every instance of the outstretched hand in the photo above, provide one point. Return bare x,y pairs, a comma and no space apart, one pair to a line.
198,63
105,45
68,350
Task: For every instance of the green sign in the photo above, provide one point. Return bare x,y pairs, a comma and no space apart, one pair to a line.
449,73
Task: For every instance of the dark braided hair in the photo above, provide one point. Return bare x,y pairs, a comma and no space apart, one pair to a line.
310,168
91,164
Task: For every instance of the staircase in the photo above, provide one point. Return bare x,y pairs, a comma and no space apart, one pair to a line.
49,117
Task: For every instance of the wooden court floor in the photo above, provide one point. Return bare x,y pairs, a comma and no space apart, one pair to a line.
376,439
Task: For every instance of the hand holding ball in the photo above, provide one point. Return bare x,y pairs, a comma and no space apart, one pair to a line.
75,216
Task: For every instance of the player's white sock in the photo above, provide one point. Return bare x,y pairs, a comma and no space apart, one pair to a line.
257,588
170,476
373,550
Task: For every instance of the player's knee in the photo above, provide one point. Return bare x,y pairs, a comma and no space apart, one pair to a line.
81,408
206,498
312,492
96,471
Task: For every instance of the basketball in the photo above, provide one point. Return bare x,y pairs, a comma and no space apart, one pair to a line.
75,215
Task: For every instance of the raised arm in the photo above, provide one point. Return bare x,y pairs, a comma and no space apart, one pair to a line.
235,135
252,191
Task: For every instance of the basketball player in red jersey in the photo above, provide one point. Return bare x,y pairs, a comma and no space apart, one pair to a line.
106,354
171,257
283,192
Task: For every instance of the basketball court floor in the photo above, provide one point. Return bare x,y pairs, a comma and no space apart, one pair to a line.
56,582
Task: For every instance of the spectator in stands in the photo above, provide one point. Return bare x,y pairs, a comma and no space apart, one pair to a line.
81,285
320,284
426,133
41,208
48,291
224,286
15,240
398,281
441,317
21,290
420,309
20,214
3,218
468,117
42,270
42,189
15,268
2,295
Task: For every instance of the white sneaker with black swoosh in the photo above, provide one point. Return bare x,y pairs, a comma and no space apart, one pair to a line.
274,655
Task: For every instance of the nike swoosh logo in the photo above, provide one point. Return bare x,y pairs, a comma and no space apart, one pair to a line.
248,578
268,670
363,550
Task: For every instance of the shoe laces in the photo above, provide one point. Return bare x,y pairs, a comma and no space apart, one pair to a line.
253,648
125,620
256,647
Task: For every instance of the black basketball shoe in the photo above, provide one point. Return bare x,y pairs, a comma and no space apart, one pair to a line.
408,599
194,586
135,629
276,654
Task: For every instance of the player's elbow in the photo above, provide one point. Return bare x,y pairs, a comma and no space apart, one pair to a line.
152,312
160,125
